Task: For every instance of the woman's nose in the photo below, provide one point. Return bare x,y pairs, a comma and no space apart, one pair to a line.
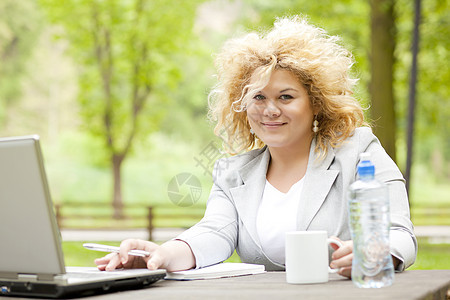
271,110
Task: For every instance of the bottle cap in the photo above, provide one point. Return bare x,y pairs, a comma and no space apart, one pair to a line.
365,166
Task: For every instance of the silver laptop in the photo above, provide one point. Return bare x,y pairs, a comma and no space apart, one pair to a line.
31,258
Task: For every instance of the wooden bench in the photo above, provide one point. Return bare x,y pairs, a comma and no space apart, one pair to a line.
98,216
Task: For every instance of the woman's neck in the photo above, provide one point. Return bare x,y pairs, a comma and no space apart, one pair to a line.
287,166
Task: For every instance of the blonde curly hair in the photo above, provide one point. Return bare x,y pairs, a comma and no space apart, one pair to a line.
320,63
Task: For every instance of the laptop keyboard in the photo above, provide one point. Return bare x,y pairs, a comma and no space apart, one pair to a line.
91,274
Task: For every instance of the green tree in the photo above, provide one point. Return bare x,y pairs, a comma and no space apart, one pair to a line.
432,128
20,25
382,72
125,51
433,107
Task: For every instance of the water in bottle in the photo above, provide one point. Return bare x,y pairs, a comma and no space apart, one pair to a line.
372,265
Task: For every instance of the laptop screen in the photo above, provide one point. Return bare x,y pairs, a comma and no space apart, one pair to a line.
30,239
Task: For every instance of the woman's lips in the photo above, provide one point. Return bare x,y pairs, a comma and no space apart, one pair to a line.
273,124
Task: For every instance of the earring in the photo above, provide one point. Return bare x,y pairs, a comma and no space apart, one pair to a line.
251,131
315,124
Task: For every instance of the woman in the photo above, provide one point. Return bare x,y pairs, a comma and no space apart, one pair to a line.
288,96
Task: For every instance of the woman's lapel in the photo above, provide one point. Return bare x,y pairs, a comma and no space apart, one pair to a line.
247,197
318,182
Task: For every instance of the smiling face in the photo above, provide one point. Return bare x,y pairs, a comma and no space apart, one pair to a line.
281,114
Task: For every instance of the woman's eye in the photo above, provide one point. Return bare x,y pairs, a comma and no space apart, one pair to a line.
286,97
259,97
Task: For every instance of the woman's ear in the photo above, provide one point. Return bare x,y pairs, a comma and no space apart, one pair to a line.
316,109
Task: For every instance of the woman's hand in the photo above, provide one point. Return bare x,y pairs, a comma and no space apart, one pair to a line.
173,256
342,258
120,260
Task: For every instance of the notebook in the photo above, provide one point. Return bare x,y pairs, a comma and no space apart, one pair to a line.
31,258
220,270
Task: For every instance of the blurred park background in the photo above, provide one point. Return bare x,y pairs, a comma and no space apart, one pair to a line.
117,91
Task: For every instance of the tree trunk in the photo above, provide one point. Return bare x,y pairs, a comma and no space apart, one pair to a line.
117,186
382,62
412,93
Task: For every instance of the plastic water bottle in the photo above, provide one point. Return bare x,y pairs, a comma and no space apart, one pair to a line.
372,265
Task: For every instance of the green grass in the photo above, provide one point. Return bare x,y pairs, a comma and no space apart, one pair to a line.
430,256
429,197
77,256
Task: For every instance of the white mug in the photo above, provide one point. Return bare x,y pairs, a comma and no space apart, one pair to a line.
307,256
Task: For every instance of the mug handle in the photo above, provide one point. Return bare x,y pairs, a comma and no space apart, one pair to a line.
337,243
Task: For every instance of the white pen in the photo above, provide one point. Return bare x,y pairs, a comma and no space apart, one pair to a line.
106,248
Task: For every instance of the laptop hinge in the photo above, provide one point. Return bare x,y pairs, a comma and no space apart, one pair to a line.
35,277
8,275
46,277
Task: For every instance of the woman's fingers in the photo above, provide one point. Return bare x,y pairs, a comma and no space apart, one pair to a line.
158,257
345,261
104,261
342,258
114,262
345,249
135,244
125,247
346,271
156,261
139,262
122,259
344,264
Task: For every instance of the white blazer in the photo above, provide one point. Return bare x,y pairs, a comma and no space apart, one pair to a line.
230,217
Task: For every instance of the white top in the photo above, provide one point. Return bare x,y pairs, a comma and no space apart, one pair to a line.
277,214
